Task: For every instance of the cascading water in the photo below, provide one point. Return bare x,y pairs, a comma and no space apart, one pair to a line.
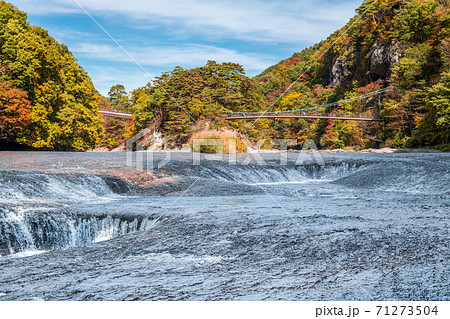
38,229
272,173
35,211
34,187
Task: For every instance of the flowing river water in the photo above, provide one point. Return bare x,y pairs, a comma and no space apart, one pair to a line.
84,226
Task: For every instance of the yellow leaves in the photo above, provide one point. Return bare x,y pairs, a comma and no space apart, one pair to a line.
418,118
292,99
39,144
196,107
390,108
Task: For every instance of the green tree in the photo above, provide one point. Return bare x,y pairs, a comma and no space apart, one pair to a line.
181,101
416,21
439,106
118,98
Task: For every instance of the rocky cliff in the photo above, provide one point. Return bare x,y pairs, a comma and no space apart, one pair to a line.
380,59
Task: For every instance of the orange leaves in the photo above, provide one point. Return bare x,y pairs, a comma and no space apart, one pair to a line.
14,110
291,61
373,86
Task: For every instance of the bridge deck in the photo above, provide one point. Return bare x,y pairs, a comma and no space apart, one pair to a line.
268,115
347,117
115,113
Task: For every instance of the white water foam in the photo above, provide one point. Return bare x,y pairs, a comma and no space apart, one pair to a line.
276,175
27,253
182,258
39,188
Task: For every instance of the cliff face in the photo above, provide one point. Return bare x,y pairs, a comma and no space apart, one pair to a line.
380,59
340,71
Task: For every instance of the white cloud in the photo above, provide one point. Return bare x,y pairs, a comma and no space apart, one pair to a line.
105,77
253,20
186,55
124,71
46,7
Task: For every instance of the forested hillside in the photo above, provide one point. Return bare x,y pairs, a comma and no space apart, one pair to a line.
46,99
397,42
181,102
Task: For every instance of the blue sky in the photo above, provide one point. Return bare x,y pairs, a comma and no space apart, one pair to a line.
162,34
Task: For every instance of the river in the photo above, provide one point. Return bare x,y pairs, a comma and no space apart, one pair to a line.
84,226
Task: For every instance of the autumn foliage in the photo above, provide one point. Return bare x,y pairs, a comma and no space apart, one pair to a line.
48,100
404,43
14,112
214,141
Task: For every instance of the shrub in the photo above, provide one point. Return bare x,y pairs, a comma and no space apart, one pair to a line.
213,141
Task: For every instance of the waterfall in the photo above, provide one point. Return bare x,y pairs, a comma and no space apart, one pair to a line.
254,174
31,187
35,214
26,229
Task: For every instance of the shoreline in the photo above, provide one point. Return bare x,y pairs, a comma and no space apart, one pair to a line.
384,150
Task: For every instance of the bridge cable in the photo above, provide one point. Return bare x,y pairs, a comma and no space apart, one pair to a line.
360,97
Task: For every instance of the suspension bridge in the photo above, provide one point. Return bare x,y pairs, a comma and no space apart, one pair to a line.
330,111
366,114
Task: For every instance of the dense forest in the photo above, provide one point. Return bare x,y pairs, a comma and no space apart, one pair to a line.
182,102
389,42
47,100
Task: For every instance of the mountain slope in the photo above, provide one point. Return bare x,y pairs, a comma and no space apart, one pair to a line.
397,42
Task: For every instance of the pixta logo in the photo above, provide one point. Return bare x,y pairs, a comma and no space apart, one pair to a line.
141,155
